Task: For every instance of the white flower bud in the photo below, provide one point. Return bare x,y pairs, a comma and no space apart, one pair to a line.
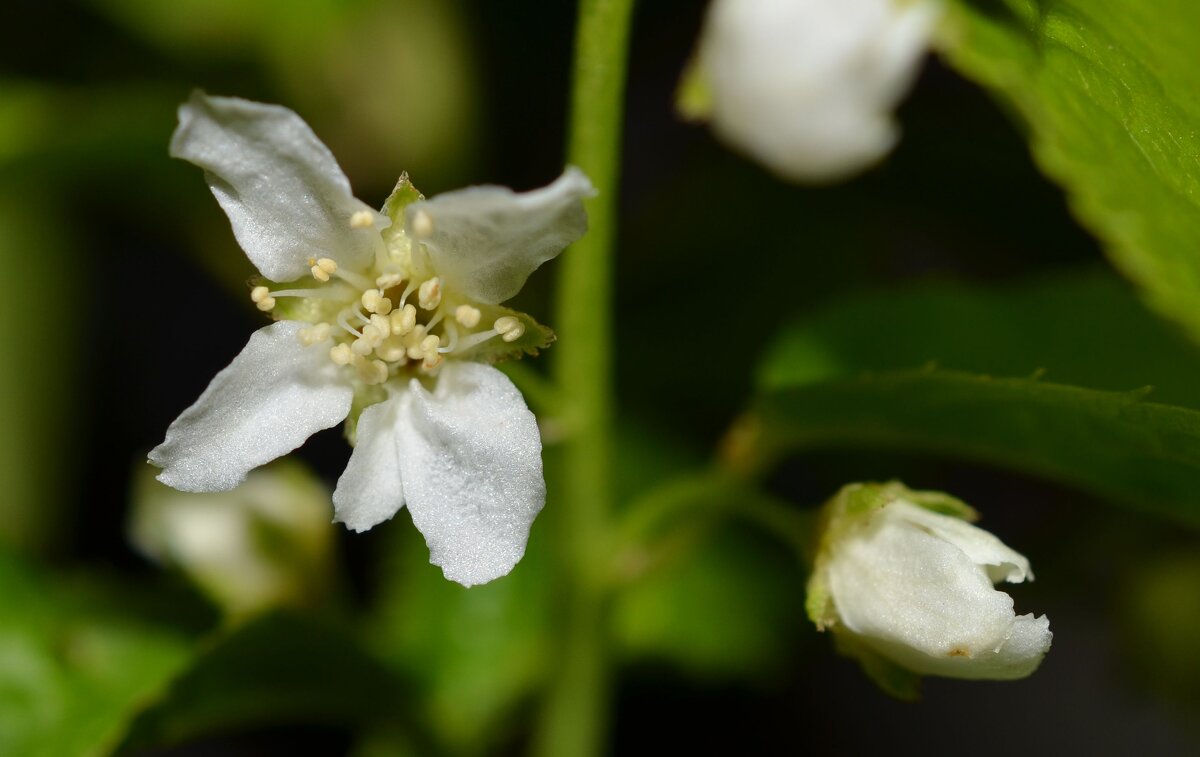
902,575
807,86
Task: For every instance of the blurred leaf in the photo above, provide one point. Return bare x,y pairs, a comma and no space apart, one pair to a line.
476,653
1083,328
1114,444
1161,608
1107,89
728,608
275,669
75,665
36,394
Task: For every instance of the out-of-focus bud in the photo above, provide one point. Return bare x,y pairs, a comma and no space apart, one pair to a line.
906,585
807,87
264,544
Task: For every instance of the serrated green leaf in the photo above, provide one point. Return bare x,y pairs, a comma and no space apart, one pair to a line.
1114,444
1107,89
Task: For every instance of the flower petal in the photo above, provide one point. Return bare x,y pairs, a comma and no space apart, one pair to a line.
926,604
471,457
283,191
485,241
272,397
1001,561
371,489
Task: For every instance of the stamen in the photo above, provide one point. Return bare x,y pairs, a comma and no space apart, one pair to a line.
382,324
509,328
412,285
362,346
388,280
422,225
318,332
341,321
392,349
261,297
414,340
430,344
362,219
467,316
320,293
473,340
435,320
340,354
453,339
357,280
404,320
373,371
322,268
430,294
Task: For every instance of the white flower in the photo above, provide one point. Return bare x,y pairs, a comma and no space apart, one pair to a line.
807,86
397,311
902,575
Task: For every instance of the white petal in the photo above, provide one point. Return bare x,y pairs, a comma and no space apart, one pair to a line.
371,489
807,86
485,241
927,605
272,397
471,457
1002,562
283,191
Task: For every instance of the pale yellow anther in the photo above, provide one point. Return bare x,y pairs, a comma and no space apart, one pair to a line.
431,361
319,273
259,293
383,325
430,344
392,349
362,219
373,371
509,328
312,335
362,346
414,342
384,306
422,224
340,354
388,280
371,335
430,293
266,305
370,299
403,320
467,316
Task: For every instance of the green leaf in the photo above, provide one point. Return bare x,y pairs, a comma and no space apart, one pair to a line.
1083,328
276,669
1111,443
475,653
1107,90
75,664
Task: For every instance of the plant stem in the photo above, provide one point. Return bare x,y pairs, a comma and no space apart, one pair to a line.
574,720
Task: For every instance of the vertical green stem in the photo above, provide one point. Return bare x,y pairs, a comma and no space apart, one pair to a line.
574,720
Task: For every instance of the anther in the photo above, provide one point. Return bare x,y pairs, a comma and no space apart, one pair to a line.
322,268
316,333
392,349
340,354
414,340
431,361
381,324
430,293
422,224
261,297
404,320
362,346
467,316
388,280
373,372
370,299
509,328
430,344
362,219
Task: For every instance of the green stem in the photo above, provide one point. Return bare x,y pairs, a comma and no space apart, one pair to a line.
574,720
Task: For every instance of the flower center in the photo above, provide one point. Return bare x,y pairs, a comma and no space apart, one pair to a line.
387,320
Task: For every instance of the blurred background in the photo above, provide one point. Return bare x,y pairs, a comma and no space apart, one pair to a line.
124,292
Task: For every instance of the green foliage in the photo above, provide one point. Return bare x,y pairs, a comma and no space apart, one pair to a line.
1114,444
1107,89
475,654
276,669
75,664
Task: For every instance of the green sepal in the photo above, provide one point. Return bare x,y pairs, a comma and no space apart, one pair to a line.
364,397
403,195
893,680
496,350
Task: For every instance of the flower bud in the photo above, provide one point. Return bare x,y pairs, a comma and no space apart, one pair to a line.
904,580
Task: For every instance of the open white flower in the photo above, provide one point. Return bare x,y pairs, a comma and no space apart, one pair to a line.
397,311
807,87
901,575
